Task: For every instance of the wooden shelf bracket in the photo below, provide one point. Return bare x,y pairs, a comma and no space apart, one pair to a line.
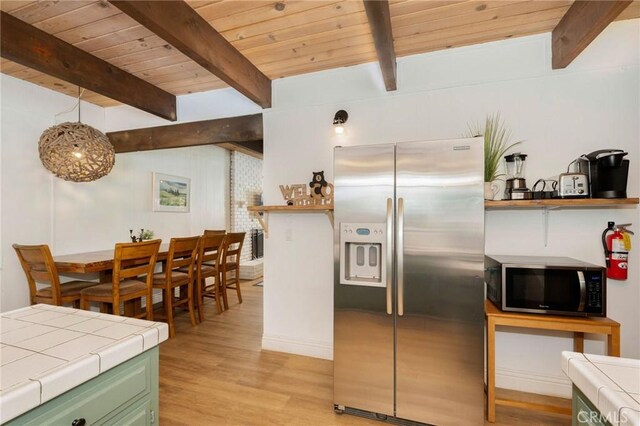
263,221
545,224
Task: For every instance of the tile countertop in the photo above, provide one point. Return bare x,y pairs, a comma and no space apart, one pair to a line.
47,350
611,384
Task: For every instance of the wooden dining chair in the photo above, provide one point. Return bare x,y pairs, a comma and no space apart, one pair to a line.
208,266
39,267
214,231
130,260
231,263
182,254
208,232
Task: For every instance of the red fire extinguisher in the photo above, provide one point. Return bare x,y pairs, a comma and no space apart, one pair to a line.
616,250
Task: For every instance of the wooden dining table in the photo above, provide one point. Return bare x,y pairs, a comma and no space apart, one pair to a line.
100,262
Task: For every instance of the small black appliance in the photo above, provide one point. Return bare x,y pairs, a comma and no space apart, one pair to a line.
608,172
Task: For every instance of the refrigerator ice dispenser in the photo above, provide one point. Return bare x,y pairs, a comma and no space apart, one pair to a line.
361,249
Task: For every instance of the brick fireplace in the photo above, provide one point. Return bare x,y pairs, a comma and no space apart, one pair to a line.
246,189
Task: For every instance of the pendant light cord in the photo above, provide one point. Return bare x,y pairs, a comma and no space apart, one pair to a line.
77,105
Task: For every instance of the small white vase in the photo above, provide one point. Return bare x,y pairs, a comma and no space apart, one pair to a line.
490,190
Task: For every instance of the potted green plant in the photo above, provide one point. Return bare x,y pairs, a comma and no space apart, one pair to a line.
145,234
496,144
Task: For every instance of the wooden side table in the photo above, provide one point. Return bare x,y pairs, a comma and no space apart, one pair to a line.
578,325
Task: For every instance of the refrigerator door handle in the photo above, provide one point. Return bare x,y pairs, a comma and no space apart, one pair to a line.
389,255
400,253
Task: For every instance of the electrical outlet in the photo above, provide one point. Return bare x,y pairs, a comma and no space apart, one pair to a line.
288,235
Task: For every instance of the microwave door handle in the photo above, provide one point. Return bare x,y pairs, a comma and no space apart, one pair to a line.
583,290
389,256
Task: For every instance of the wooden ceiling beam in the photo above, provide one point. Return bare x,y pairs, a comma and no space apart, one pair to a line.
36,49
254,149
582,23
245,131
380,24
181,26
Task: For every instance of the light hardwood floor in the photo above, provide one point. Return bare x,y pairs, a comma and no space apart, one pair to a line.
217,374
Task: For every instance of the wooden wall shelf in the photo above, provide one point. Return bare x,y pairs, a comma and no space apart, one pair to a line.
547,205
256,210
560,203
290,209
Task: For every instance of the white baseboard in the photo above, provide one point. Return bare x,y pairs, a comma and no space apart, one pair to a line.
527,381
313,349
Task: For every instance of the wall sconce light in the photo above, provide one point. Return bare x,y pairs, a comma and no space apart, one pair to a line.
338,121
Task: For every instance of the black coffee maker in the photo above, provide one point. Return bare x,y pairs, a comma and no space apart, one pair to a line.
607,171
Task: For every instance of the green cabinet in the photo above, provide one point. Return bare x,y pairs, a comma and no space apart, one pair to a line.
139,414
125,395
584,413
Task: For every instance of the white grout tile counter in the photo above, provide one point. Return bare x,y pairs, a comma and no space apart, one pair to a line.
64,365
606,390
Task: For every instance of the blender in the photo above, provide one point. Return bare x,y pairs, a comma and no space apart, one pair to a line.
516,186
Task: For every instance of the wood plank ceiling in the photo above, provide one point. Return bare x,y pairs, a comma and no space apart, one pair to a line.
281,38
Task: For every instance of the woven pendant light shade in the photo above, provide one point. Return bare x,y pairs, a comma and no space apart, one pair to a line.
76,152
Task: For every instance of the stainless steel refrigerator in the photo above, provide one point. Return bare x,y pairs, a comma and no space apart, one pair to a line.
408,290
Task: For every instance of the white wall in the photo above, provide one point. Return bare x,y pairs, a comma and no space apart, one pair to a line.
28,189
75,217
592,104
195,107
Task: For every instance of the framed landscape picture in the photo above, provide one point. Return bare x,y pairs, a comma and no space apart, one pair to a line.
171,193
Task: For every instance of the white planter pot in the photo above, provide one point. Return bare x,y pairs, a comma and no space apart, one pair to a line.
490,190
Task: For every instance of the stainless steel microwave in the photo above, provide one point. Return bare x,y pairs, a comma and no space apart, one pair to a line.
546,285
